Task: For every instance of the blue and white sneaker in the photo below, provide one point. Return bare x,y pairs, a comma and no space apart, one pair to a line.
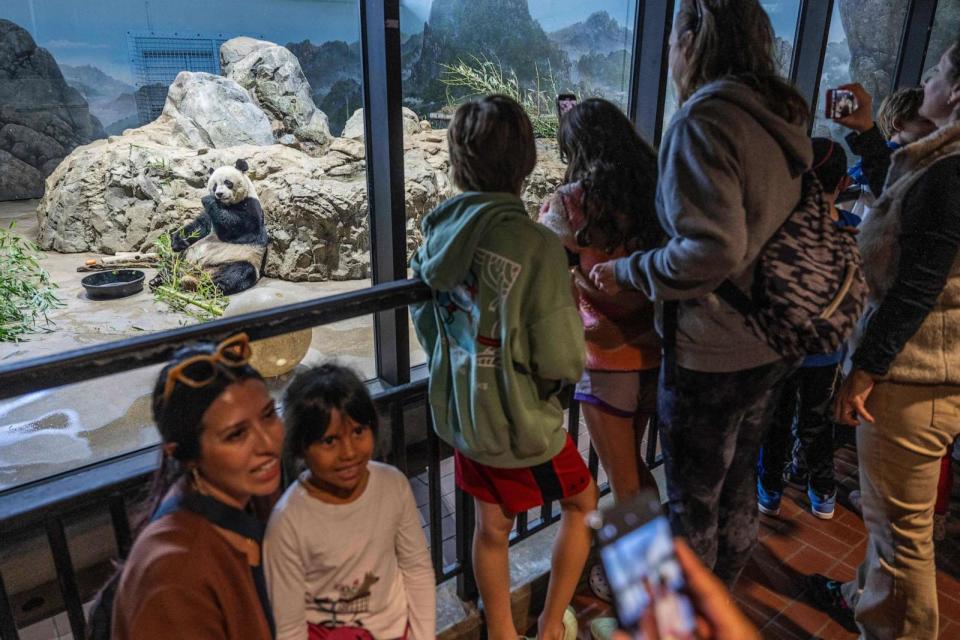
822,506
768,501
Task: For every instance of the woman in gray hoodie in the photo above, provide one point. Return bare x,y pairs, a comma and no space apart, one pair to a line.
730,174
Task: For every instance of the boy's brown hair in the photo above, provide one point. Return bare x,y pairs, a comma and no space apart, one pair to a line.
897,108
491,145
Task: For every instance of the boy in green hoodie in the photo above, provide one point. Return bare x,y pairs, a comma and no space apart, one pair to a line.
502,336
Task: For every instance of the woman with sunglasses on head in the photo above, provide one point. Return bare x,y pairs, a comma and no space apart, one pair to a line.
731,163
195,569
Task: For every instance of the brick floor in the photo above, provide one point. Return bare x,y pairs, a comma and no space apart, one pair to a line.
771,591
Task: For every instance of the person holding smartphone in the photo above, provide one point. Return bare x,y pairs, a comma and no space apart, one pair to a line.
903,392
716,614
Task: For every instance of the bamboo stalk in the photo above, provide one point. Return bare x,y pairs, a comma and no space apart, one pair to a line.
173,293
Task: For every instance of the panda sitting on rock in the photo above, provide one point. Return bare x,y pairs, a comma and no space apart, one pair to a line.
229,240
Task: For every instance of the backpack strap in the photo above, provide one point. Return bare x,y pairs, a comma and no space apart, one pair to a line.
729,293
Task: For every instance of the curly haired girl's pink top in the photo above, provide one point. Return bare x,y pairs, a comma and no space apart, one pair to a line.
619,329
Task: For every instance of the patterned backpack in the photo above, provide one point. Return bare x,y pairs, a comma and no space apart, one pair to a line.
808,290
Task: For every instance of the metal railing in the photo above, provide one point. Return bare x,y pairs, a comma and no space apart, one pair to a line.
44,506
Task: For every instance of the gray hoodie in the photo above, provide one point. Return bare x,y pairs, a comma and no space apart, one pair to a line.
730,174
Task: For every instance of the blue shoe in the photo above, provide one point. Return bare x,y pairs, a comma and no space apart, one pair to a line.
822,505
768,501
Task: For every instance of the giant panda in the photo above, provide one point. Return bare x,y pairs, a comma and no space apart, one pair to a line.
229,239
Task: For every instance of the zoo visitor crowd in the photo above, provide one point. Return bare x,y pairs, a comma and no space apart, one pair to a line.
634,286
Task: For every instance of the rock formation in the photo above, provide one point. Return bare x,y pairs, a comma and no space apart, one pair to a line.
42,118
274,79
873,29
208,111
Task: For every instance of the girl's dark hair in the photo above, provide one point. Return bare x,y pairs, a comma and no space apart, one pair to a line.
491,145
311,398
734,39
829,163
179,421
618,171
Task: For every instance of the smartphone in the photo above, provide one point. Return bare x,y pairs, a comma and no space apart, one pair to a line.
840,103
565,102
638,556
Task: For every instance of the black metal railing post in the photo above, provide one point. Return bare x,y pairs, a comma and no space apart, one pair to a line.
8,625
121,525
435,498
66,575
466,523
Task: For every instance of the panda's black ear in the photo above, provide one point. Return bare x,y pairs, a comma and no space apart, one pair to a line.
241,165
210,171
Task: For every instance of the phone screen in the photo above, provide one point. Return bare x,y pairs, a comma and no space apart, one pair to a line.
643,571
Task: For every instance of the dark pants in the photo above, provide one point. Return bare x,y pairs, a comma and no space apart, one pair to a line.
806,408
711,427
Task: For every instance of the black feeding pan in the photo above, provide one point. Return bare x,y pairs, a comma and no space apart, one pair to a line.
118,283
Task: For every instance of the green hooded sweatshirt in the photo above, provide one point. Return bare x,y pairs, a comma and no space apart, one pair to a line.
502,333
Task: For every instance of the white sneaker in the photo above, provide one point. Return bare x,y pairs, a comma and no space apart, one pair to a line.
570,624
603,628
598,583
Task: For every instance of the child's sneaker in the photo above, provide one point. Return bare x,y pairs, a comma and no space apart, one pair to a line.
768,501
602,628
598,583
795,476
570,624
822,506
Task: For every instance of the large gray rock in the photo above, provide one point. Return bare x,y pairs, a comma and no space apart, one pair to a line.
211,111
873,29
354,127
276,82
41,117
18,179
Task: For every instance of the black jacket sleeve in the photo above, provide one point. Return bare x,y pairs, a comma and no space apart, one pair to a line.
929,242
872,148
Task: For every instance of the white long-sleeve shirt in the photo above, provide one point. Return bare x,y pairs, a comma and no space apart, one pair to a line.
359,564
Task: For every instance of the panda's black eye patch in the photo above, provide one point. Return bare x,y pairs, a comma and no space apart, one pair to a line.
228,184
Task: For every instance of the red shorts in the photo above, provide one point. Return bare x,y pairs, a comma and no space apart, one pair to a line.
517,490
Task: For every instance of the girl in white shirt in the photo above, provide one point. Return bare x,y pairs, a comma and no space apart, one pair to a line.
344,553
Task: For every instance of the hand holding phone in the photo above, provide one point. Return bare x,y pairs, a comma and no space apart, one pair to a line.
840,103
860,118
648,585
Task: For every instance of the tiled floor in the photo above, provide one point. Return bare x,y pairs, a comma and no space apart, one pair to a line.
771,590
